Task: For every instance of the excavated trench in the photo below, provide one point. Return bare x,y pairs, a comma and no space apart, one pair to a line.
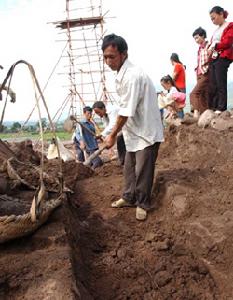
115,257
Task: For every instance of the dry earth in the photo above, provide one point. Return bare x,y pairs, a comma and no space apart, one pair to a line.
87,250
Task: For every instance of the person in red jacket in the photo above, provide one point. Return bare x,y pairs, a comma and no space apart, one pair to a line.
178,72
221,54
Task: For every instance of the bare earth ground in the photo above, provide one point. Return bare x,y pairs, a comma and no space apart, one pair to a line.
87,250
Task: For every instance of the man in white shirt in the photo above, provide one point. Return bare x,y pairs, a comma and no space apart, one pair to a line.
140,121
109,115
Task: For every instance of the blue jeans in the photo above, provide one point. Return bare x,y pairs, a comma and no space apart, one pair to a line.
180,114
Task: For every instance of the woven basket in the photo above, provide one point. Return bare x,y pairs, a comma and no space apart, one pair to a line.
69,125
12,226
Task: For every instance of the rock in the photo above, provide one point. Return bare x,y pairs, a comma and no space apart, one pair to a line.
188,120
163,278
163,246
150,236
179,203
231,112
225,115
205,118
222,124
121,253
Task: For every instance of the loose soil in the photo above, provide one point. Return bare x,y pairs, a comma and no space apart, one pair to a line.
89,250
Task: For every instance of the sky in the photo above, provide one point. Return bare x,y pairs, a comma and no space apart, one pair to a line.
152,29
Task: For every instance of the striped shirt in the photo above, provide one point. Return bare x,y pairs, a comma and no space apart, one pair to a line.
202,59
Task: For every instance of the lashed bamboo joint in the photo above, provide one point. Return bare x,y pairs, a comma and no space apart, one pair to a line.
78,22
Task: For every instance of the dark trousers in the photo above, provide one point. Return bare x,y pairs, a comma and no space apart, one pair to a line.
121,149
217,98
199,95
139,175
79,151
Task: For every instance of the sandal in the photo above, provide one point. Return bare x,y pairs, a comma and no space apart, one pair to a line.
120,203
141,214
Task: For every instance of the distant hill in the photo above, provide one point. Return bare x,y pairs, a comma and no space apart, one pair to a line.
9,123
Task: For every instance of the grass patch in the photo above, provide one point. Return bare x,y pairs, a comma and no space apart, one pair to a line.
63,135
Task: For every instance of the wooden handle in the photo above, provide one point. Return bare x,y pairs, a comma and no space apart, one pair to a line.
94,155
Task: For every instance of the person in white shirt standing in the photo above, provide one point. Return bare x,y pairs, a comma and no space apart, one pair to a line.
109,115
140,121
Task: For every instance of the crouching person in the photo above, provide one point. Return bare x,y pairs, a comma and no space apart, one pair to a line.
85,139
109,116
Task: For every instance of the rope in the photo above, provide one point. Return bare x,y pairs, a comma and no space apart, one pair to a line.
3,86
41,133
46,85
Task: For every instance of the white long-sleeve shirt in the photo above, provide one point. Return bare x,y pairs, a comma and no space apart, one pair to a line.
166,99
138,102
110,120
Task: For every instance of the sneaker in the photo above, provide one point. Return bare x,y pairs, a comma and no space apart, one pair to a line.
120,203
141,214
196,114
217,112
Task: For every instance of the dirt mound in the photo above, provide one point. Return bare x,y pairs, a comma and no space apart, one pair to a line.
71,170
24,152
197,147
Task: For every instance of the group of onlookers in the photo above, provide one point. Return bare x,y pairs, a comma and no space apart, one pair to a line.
213,60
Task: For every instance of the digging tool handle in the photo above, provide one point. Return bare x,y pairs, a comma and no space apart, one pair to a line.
94,155
87,129
83,126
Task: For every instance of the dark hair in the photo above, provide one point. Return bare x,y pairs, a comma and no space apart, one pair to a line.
168,79
219,10
175,58
200,31
98,104
115,41
87,108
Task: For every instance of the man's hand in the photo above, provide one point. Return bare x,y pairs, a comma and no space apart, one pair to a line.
82,145
111,138
110,141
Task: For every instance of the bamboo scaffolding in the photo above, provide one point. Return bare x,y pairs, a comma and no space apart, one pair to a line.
78,22
84,59
83,55
83,72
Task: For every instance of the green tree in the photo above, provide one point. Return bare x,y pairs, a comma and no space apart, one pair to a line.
16,126
44,123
